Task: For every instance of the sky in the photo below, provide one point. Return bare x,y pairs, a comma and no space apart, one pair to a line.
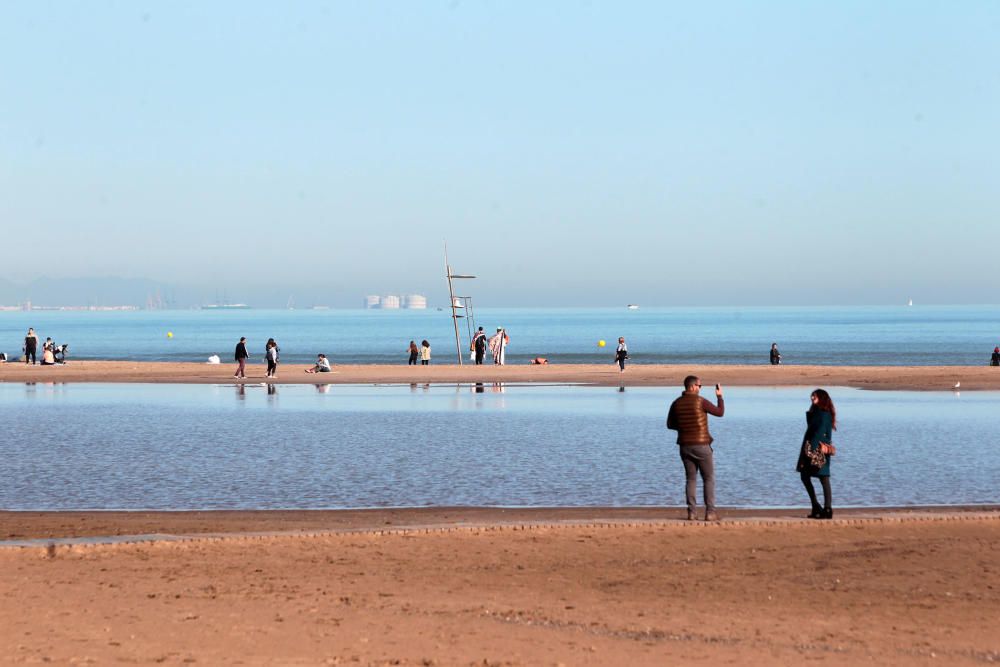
569,153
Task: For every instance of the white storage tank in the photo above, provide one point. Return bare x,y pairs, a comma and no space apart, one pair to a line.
415,301
372,301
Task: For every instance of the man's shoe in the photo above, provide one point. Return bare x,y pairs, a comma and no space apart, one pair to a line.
711,516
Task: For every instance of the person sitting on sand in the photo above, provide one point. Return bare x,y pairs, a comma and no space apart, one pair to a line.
322,365
48,356
539,361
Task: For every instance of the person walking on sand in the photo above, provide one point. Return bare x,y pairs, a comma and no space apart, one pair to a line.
621,354
241,357
271,351
689,417
425,353
30,346
498,346
479,345
816,450
995,358
775,355
414,353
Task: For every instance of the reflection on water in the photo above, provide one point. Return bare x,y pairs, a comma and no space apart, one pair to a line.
173,446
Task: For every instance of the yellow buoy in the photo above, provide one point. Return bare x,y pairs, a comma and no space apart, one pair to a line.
170,334
601,343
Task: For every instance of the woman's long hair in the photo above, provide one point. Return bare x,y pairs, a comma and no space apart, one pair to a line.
824,402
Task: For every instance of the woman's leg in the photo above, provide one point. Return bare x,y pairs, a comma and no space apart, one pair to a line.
827,494
807,482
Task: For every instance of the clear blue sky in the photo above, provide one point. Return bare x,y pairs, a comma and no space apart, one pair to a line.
571,153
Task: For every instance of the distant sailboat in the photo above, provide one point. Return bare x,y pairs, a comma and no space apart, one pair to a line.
909,302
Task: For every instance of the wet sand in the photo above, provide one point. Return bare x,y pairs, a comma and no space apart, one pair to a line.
920,378
481,586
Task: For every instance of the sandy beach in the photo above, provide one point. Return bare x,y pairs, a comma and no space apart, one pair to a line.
495,587
918,378
475,586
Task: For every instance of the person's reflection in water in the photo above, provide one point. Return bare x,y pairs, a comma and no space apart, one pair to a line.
241,392
498,388
479,388
621,389
323,388
413,387
272,389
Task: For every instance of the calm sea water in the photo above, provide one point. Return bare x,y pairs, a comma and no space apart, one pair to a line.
81,446
843,336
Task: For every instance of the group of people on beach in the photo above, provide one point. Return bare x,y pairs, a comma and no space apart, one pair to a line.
52,354
688,416
423,353
497,344
272,355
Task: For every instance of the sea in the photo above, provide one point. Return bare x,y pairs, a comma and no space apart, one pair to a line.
872,335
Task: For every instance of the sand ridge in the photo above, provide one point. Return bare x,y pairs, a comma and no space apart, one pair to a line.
922,378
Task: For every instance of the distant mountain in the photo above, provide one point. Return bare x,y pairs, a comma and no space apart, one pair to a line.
111,291
79,291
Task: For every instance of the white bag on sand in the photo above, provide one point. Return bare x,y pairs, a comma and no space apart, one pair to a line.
214,359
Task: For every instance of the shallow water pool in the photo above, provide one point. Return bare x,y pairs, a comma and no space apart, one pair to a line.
128,446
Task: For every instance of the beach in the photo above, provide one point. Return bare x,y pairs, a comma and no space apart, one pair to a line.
495,586
915,378
502,587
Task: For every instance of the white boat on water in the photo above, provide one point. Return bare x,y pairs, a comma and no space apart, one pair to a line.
225,306
632,306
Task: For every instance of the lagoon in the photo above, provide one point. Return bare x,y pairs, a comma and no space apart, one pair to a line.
179,447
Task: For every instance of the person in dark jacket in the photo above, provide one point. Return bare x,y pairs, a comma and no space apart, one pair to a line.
30,346
241,358
995,359
821,421
689,417
414,353
775,355
479,345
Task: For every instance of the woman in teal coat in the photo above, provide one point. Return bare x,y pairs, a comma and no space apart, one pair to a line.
821,421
